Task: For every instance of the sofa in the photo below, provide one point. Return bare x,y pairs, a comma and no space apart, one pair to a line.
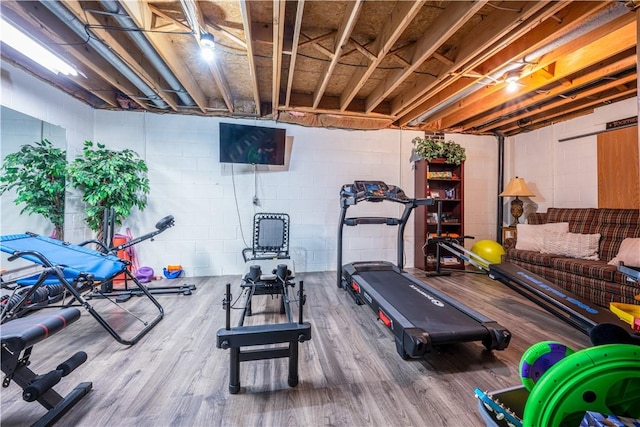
543,247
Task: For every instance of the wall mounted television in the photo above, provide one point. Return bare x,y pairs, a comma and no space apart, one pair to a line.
254,145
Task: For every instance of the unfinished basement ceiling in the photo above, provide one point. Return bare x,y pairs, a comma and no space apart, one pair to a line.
423,65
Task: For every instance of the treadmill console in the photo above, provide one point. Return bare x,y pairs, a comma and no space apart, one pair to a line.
371,188
373,191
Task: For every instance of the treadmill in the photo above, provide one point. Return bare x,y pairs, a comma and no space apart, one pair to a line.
418,315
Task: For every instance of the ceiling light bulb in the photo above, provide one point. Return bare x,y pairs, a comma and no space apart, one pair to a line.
207,46
207,41
512,77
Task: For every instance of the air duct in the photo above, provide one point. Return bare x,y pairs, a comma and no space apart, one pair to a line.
79,28
141,41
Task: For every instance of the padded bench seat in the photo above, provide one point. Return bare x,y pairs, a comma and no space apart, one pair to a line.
24,332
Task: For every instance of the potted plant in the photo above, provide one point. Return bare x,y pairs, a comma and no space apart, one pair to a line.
37,173
109,179
429,149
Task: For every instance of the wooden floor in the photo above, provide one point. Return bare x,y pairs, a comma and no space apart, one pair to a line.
350,373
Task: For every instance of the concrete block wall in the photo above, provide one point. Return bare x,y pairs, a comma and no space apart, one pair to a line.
480,186
213,202
562,174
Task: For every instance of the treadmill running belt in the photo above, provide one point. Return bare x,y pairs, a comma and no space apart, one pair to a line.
444,323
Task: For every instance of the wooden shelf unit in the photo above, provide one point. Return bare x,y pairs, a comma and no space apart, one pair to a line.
452,209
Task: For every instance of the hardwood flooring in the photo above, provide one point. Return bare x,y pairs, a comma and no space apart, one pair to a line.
350,373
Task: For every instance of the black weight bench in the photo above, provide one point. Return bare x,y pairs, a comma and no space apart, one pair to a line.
18,338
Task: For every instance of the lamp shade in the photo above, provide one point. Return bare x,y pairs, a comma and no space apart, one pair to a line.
517,188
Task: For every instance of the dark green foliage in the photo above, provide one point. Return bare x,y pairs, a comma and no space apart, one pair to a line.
109,179
429,149
37,173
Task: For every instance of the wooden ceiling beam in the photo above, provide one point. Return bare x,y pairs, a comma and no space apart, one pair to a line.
344,33
124,49
541,35
559,102
449,21
214,66
167,51
278,45
393,28
331,105
536,98
246,22
297,26
605,47
565,110
480,42
316,40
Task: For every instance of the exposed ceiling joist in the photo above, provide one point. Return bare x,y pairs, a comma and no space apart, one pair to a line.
415,64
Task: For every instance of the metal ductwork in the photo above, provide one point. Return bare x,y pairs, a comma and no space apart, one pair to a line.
140,40
79,28
602,18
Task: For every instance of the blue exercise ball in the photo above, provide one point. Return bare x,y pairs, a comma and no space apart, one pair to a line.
488,250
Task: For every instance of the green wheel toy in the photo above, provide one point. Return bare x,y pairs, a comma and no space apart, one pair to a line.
538,359
603,379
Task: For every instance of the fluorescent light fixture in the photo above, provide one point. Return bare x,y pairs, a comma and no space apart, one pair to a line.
207,46
34,50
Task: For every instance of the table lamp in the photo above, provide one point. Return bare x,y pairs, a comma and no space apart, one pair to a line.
516,187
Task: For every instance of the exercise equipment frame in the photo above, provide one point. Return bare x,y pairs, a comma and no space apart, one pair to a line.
291,333
77,268
418,315
18,339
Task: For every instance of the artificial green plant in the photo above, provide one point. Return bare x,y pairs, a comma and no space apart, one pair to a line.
429,149
109,179
37,174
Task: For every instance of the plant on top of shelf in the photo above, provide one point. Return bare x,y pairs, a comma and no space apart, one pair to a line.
109,179
37,173
429,149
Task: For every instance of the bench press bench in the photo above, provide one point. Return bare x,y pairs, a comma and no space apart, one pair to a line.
18,338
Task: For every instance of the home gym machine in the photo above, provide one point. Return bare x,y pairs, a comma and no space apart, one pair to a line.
19,338
290,332
576,311
418,315
270,272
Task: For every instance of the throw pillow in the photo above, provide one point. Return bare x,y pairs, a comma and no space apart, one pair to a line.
629,253
530,235
572,245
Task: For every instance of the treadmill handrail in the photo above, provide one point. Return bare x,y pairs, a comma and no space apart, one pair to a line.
353,221
350,196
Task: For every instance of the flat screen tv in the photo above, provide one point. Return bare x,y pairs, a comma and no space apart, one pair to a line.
254,145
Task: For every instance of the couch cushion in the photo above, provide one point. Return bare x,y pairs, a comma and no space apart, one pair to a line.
530,236
537,218
584,267
629,253
573,245
614,225
579,219
531,257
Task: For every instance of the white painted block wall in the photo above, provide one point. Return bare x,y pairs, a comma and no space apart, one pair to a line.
212,202
562,174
